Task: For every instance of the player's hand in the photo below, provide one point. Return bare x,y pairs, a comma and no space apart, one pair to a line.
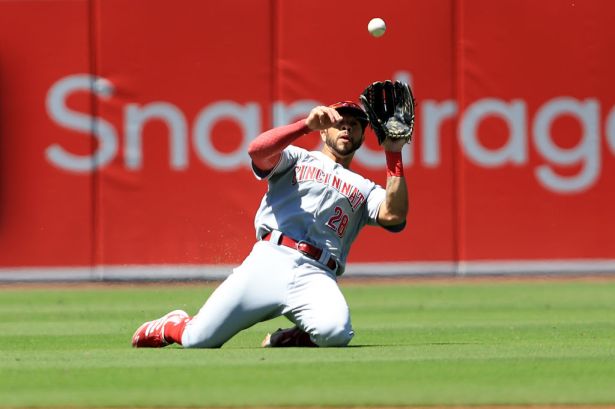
322,117
393,145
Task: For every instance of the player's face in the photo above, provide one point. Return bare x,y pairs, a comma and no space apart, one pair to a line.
345,137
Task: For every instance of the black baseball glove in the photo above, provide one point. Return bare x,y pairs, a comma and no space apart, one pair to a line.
390,107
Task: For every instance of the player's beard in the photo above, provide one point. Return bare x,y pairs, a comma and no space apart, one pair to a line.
342,151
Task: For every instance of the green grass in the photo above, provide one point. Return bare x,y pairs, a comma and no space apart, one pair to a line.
463,343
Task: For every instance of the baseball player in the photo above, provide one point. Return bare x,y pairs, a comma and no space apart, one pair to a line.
312,212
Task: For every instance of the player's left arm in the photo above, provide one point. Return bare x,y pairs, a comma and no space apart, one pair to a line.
393,211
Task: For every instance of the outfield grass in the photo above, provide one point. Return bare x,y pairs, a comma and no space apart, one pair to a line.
463,343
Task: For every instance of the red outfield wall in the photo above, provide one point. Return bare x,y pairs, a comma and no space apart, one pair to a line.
124,126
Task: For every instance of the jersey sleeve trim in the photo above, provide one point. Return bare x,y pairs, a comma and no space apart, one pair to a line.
396,228
287,159
265,174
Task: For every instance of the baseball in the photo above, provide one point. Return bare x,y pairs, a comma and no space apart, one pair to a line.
376,27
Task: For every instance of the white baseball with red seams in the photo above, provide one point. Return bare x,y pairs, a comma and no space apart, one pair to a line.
311,198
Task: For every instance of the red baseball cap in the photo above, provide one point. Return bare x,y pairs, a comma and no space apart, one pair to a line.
351,108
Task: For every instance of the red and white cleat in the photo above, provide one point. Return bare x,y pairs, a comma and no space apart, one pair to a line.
151,333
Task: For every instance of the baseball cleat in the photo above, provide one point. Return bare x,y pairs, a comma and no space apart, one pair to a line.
267,341
289,337
151,333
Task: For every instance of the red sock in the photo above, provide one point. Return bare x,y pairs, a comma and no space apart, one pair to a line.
173,332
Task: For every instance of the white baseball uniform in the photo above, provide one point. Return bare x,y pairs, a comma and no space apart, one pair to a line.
310,199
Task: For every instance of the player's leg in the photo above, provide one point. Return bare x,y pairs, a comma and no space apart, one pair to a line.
254,292
318,307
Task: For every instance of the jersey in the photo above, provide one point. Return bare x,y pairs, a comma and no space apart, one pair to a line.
310,197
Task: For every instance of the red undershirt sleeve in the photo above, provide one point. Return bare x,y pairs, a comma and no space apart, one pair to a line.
265,150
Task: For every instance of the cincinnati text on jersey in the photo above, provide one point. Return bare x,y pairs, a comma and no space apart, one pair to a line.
352,193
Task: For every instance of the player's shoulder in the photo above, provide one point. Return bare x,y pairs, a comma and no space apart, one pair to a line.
359,179
296,151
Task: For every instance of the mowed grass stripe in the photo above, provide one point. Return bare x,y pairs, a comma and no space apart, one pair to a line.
475,382
416,344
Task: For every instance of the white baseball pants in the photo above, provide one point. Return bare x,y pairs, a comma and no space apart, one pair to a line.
272,281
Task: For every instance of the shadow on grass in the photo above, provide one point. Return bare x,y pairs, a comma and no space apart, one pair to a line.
412,344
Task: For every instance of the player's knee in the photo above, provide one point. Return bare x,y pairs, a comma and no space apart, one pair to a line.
333,334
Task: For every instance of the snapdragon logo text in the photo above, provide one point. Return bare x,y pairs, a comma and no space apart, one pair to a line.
525,132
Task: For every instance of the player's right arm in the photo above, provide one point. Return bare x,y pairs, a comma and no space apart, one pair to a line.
265,150
393,211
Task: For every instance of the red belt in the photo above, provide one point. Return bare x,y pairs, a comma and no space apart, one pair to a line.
304,248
